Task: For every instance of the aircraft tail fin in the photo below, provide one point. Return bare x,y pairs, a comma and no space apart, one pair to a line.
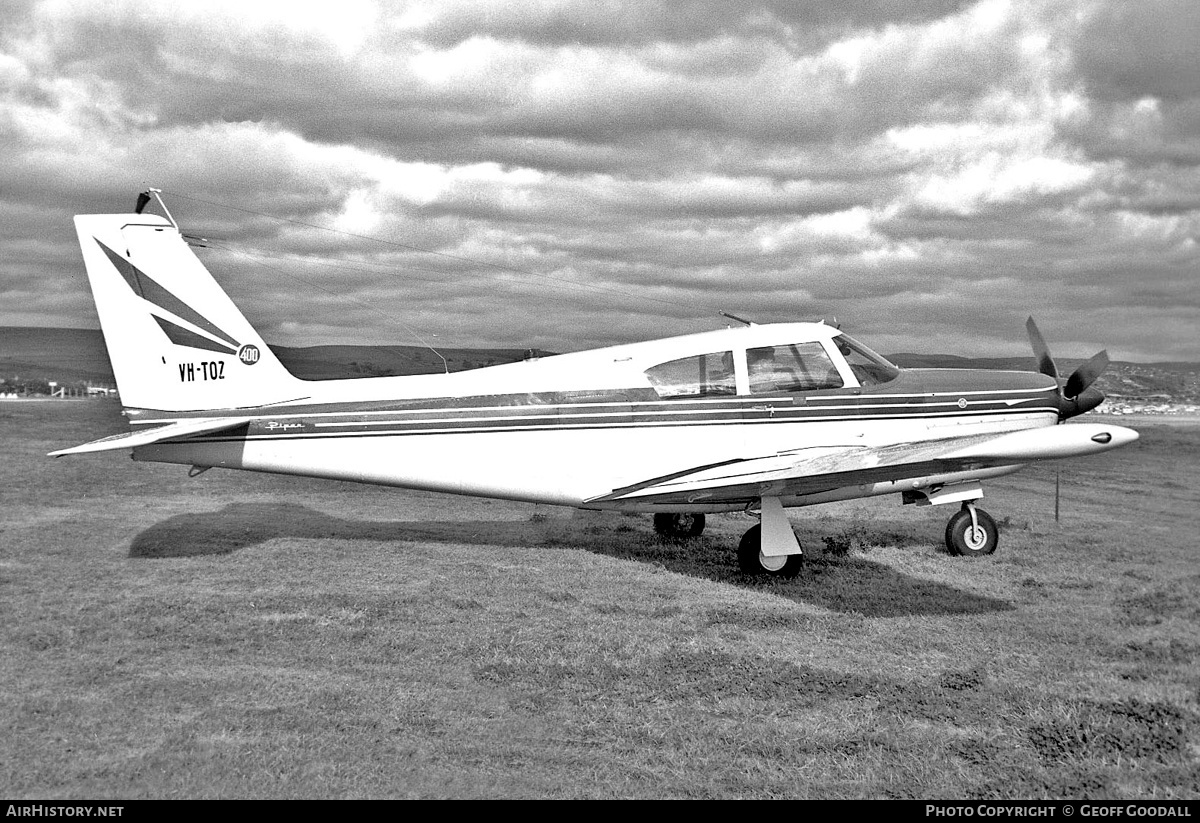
175,339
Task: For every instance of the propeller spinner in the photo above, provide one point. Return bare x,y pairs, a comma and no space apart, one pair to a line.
1076,396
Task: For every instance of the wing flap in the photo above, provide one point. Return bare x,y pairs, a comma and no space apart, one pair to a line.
171,431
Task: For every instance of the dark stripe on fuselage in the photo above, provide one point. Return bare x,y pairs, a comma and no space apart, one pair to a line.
492,418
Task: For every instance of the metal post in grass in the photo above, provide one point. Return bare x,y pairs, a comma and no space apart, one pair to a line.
1057,477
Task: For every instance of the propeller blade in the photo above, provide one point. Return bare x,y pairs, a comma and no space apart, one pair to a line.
1045,363
1086,374
1088,399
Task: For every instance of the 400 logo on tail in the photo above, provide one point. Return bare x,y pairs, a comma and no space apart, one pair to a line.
248,354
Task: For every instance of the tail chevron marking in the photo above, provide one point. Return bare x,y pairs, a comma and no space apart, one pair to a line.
145,287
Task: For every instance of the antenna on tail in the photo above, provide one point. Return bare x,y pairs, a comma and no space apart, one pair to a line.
144,199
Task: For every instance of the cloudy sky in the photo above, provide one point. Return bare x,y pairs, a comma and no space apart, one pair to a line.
568,173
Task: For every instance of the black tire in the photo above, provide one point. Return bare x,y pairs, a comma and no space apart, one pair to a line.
751,559
679,526
960,540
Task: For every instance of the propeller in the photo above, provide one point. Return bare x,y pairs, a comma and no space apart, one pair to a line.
1076,396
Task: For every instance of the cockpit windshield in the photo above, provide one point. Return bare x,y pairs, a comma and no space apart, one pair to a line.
870,368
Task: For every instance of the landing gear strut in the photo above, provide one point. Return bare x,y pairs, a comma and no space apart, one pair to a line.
971,532
679,526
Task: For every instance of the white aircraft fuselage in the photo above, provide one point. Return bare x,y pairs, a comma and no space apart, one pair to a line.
753,417
572,428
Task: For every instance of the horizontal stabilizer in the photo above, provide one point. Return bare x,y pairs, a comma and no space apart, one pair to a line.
184,428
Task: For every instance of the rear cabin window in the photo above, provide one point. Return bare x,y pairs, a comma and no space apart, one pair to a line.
791,368
701,375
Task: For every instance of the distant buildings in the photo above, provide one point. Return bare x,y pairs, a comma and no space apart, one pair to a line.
1152,406
18,388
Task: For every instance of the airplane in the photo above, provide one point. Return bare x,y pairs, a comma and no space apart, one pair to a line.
750,418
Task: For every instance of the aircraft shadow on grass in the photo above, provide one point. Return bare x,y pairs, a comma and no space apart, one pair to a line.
853,584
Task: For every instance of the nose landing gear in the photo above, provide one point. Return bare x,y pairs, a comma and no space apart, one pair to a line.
971,532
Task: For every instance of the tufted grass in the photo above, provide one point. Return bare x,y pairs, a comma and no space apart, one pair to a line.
240,636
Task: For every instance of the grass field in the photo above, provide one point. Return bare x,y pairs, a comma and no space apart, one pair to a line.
236,636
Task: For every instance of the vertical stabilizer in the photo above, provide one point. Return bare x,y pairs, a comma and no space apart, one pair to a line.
175,339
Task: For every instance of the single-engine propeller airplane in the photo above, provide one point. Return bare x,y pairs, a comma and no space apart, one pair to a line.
749,418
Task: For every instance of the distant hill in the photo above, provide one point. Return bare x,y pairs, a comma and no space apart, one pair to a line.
79,356
65,355
1166,382
332,362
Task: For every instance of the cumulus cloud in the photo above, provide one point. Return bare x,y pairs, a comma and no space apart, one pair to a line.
560,173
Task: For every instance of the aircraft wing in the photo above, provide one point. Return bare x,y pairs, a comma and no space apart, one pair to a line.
183,428
818,469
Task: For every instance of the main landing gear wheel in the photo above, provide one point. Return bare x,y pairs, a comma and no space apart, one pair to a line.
751,560
679,526
971,538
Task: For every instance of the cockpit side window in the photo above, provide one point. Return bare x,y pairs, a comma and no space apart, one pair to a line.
793,367
700,375
870,368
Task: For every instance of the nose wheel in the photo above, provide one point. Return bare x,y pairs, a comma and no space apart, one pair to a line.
971,532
